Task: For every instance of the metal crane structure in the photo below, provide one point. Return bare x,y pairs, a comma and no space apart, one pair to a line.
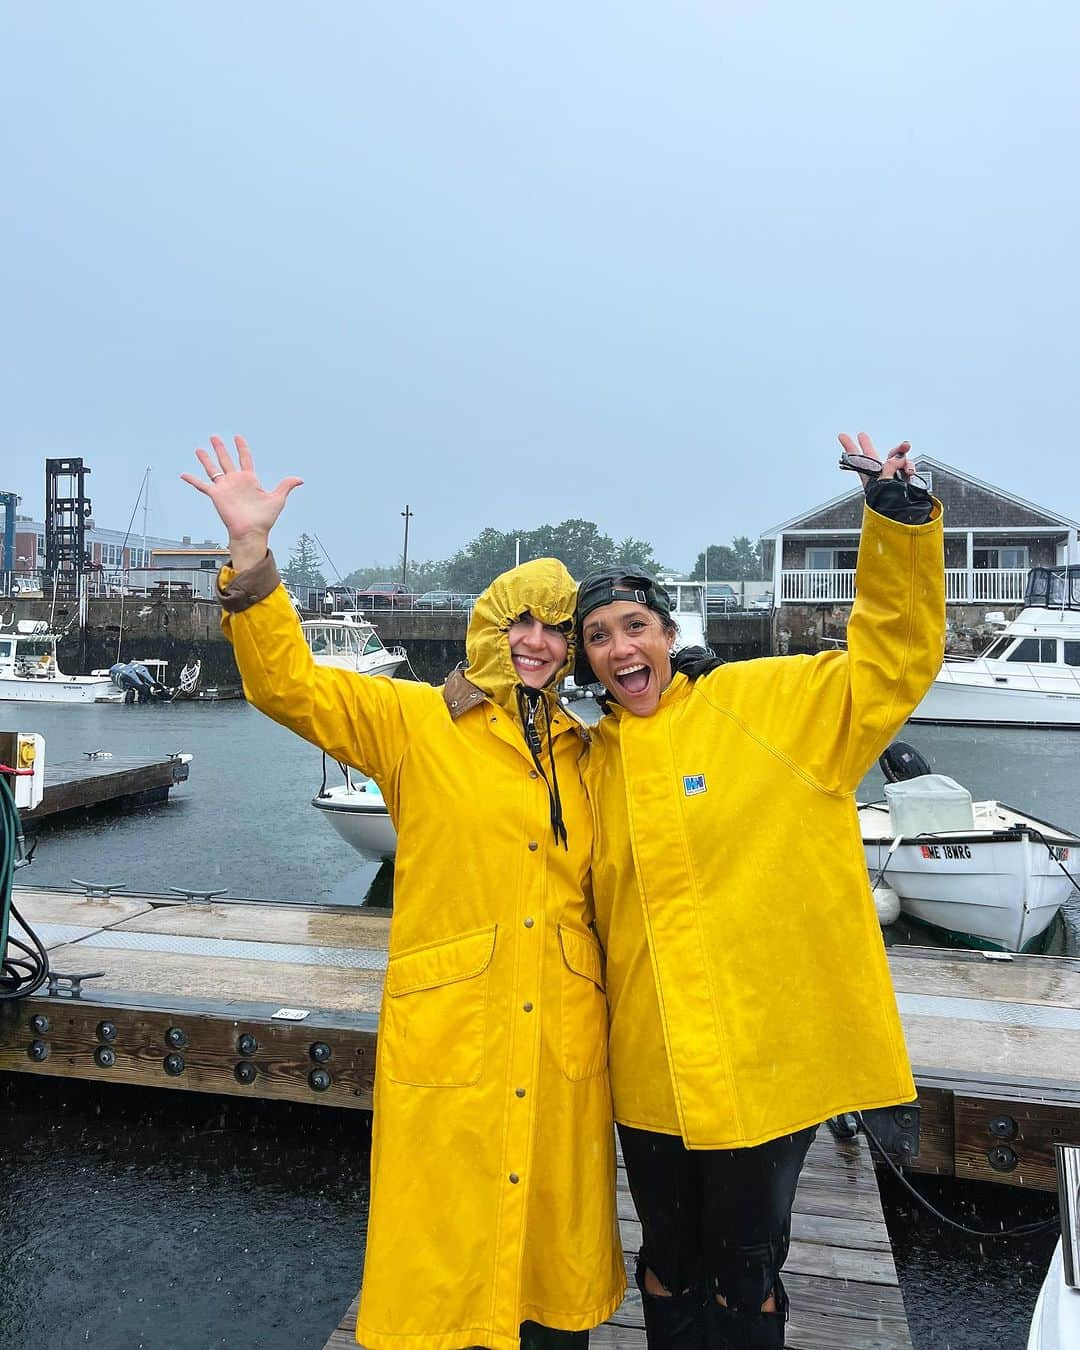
66,510
8,502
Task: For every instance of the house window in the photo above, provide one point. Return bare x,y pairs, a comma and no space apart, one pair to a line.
831,559
995,558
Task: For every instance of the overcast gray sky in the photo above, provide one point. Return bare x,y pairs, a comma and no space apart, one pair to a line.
511,263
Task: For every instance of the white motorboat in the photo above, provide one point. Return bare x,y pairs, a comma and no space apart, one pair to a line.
1029,676
356,810
346,640
982,873
1055,1323
30,673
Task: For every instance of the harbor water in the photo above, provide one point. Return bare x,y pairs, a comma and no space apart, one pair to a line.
175,1221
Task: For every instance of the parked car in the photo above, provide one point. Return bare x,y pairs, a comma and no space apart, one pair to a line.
762,602
385,595
442,600
720,597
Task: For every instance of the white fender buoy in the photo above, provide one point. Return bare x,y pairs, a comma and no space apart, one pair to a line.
887,904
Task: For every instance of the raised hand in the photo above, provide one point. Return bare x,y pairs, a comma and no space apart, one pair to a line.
247,510
896,463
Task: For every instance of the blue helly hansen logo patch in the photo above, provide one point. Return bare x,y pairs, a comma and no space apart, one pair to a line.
693,783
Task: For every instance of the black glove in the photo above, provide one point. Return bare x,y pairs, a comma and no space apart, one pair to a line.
695,661
899,500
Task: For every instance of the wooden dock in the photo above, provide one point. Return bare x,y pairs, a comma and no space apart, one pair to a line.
281,1001
840,1273
118,780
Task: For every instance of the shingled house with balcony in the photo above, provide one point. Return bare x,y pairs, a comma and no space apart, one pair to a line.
992,538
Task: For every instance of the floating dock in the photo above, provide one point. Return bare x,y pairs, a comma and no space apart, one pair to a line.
115,780
839,1274
281,1001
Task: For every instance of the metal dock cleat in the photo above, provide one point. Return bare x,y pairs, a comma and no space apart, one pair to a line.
199,899
99,890
70,986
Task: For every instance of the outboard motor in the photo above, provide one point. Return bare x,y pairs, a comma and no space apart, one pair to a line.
901,762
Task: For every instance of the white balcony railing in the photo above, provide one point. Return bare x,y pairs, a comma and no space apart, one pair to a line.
836,586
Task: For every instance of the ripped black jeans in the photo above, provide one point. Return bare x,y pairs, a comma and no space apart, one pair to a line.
714,1222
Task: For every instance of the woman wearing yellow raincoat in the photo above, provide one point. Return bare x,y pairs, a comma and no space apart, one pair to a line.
492,1203
749,993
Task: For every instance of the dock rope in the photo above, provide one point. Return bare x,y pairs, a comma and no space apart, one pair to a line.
19,975
1021,1230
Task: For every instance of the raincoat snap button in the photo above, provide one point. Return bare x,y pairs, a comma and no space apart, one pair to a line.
519,1092
527,1006
494,719
533,773
514,1178
533,845
529,923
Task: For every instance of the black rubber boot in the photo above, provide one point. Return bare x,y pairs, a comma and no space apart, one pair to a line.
537,1337
678,1322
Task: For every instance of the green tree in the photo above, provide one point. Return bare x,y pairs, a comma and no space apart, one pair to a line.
631,552
423,576
491,552
302,570
739,561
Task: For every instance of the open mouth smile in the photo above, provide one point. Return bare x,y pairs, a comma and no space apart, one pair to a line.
634,679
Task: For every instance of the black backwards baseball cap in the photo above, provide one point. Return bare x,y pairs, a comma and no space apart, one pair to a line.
630,583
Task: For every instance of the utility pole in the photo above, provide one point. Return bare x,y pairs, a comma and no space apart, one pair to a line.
405,551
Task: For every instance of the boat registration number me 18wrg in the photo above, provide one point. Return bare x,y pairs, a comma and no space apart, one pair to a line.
941,851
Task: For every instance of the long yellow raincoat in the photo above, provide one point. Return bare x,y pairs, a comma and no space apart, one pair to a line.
493,1166
748,986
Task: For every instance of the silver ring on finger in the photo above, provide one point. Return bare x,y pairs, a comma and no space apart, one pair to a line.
215,476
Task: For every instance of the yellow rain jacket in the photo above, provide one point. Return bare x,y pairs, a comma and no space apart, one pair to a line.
748,987
493,1171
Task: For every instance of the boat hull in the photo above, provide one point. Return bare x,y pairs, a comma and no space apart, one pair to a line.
1055,1324
62,689
997,893
361,819
387,663
968,702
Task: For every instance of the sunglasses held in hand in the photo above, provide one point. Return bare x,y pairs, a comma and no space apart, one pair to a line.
869,465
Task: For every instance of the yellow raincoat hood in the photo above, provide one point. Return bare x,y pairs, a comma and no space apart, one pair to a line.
542,588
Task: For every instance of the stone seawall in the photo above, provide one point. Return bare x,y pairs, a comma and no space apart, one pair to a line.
179,631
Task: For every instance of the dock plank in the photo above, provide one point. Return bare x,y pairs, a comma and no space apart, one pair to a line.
1047,980
70,907
841,1278
323,987
78,784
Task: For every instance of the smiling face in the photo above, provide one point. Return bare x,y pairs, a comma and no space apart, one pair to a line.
628,647
537,651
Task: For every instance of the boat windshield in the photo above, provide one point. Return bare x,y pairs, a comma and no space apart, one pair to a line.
1053,587
688,599
326,639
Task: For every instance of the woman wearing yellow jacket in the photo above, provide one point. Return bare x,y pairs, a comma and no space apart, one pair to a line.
749,992
492,1200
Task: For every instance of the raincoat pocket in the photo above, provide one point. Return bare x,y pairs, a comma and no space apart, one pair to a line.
435,1011
584,1006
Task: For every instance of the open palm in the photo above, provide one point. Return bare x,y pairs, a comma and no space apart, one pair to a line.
246,508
